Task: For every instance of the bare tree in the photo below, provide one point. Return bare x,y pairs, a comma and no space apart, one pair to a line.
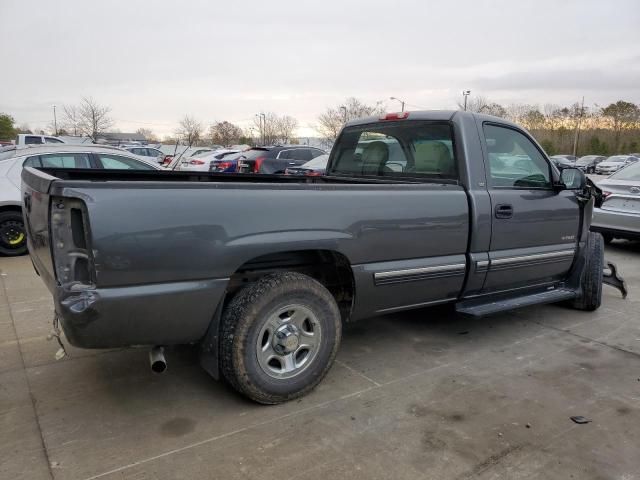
225,133
71,119
333,119
274,129
93,118
148,134
190,130
286,127
480,104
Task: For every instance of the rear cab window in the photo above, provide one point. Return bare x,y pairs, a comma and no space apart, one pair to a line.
414,149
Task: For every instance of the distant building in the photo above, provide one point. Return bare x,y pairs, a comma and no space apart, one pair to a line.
120,138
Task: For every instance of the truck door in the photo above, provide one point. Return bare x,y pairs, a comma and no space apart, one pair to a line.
534,227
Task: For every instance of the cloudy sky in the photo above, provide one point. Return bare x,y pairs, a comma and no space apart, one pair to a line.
154,61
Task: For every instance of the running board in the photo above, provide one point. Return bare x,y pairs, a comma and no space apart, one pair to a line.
478,308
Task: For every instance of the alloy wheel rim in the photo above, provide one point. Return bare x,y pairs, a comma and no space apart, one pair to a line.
12,234
288,341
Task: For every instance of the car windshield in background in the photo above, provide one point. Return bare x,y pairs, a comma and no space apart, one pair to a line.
318,162
586,160
618,159
254,153
632,172
398,149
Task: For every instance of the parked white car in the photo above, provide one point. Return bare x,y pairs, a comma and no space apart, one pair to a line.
13,159
202,163
30,139
614,163
153,154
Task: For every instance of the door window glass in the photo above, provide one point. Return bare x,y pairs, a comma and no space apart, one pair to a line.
116,162
514,161
32,162
302,154
32,140
52,140
65,160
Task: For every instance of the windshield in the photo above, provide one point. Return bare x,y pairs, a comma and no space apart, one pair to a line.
231,156
586,160
396,149
632,172
617,159
254,153
198,152
318,162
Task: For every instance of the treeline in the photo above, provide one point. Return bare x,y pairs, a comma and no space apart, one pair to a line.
610,130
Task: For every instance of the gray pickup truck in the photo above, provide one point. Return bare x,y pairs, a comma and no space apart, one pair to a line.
416,209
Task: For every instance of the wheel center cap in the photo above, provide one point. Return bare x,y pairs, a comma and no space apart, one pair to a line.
286,339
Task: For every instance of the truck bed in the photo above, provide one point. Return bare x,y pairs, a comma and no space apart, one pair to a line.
123,241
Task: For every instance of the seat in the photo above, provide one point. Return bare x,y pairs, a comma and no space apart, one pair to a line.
433,157
374,157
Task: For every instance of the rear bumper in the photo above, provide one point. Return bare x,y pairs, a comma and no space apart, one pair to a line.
155,314
617,223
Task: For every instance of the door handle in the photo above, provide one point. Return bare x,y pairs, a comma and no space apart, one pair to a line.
504,210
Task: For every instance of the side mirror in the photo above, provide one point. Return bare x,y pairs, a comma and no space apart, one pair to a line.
573,178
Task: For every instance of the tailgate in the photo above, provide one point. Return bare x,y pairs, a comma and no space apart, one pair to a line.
35,208
57,233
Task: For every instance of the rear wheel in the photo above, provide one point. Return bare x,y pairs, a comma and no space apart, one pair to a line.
279,337
591,296
13,236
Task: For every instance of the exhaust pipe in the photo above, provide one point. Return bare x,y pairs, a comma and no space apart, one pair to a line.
156,359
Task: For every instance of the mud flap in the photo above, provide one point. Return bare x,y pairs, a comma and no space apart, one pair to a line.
610,276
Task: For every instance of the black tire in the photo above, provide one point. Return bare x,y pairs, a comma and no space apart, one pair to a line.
13,236
607,237
246,317
592,276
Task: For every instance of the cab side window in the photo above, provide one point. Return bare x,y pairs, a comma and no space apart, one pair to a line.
116,162
65,160
514,161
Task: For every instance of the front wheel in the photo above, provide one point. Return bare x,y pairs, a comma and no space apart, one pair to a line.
13,237
591,296
279,337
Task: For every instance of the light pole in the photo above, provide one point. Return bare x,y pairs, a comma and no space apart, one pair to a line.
465,94
262,120
401,102
55,120
344,113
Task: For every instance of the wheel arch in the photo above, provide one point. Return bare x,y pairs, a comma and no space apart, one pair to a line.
329,267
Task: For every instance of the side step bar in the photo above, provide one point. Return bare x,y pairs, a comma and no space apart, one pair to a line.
478,308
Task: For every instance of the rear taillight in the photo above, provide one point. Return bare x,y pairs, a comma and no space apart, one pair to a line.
224,165
257,164
312,173
70,242
196,162
395,116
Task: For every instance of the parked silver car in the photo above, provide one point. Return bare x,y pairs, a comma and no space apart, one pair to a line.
614,163
619,214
